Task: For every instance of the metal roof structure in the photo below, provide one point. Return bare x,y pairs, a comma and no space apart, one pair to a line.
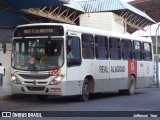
8,16
11,13
8,19
25,4
75,6
2,6
68,11
151,7
134,18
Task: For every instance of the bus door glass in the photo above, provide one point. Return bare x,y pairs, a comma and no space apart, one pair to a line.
73,58
147,56
73,51
137,55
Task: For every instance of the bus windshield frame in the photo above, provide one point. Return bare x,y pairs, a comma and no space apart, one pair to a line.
37,54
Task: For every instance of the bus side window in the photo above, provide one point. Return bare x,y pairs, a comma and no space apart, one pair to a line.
73,51
126,49
115,50
137,46
101,49
147,54
87,46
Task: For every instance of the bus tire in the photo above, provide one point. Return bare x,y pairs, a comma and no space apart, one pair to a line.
131,86
42,97
85,90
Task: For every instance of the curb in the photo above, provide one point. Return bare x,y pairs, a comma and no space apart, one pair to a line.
15,96
153,86
5,97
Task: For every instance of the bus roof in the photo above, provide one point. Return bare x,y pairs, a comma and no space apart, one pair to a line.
94,31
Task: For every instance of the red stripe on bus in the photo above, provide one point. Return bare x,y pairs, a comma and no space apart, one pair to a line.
132,68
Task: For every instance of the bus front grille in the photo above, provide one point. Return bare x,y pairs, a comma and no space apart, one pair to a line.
30,88
31,82
34,76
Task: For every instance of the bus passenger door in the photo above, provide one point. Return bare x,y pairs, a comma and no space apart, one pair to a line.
148,64
137,46
73,60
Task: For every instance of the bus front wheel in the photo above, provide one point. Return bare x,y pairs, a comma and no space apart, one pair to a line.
85,90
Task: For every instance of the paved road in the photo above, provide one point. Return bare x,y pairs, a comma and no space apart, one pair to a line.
147,99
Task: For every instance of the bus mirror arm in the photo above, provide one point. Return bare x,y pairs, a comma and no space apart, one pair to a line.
4,72
4,48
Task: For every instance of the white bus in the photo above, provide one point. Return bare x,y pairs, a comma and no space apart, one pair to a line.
65,60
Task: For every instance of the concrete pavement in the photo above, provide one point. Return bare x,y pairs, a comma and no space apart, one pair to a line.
5,92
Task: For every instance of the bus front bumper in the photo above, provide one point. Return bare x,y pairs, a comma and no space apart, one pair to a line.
65,88
37,90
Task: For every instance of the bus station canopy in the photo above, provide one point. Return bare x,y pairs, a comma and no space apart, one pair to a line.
25,11
68,11
133,17
151,7
25,4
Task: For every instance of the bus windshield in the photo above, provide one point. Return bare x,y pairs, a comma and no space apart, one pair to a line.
40,54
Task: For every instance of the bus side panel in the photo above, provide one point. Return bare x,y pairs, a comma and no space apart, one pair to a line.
108,77
121,83
148,73
147,70
74,81
76,75
140,76
101,75
125,80
117,68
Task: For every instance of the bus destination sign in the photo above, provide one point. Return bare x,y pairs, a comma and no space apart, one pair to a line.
39,31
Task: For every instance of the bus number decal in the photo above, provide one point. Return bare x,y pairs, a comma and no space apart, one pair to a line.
132,68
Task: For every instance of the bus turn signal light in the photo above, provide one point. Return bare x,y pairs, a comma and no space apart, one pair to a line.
56,89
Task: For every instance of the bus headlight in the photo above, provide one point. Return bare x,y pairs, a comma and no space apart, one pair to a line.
57,80
15,80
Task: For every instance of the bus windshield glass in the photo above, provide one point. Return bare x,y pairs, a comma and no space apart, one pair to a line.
40,54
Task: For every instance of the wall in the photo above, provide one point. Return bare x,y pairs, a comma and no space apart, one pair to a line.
5,59
7,65
6,35
103,20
